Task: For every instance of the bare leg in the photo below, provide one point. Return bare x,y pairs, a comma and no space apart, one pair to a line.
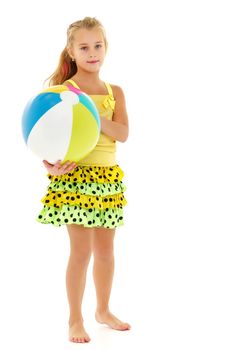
80,253
103,271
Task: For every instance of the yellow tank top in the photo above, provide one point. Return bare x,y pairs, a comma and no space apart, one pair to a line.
104,153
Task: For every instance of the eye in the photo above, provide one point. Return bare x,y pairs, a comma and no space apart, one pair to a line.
83,48
98,46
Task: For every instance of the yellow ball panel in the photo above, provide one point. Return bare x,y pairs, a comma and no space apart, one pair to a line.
56,88
84,136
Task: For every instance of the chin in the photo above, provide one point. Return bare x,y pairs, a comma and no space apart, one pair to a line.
93,70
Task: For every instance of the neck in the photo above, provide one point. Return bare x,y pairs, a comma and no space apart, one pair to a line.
87,78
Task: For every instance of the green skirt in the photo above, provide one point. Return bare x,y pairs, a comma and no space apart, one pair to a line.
91,196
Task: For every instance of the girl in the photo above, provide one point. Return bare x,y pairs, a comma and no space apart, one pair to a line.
92,190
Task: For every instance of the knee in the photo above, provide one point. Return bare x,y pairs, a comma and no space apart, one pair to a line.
80,257
103,254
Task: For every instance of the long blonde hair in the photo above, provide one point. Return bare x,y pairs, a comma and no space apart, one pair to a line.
66,67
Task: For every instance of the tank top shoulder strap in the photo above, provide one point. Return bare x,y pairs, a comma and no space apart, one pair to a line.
73,83
109,88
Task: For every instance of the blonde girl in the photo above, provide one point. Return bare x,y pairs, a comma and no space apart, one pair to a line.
88,197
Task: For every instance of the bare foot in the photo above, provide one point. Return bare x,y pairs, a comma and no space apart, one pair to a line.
77,333
113,322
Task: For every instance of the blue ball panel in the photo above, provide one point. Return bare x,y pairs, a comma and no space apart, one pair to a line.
35,109
90,105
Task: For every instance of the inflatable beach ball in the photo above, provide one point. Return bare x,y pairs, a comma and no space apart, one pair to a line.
61,122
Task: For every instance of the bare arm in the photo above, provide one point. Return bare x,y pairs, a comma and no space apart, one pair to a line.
118,127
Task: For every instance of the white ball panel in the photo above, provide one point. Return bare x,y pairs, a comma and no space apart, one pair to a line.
69,97
50,136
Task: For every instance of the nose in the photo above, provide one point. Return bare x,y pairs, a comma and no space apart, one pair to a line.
92,54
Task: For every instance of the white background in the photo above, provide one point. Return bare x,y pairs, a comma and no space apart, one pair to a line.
173,274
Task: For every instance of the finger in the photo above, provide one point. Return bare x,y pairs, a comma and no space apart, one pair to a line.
74,165
68,168
67,164
62,164
58,162
47,164
64,168
71,168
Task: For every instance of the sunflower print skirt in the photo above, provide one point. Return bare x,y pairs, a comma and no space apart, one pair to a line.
91,196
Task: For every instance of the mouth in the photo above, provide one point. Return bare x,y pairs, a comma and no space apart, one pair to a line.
92,62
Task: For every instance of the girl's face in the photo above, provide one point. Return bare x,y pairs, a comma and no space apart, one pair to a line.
88,49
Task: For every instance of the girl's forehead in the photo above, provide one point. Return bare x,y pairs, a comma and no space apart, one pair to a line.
88,36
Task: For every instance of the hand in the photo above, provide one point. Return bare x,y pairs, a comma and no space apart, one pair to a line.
58,169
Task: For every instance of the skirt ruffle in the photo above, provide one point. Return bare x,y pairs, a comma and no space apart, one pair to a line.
88,188
84,174
68,214
90,195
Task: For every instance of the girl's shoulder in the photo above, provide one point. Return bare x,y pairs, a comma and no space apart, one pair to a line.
117,92
116,88
66,83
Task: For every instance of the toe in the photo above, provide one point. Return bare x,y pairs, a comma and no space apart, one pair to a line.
125,326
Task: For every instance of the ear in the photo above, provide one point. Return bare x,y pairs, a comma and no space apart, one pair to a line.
69,52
